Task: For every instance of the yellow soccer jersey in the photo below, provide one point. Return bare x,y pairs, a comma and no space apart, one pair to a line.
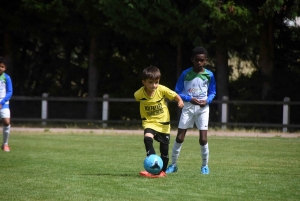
154,111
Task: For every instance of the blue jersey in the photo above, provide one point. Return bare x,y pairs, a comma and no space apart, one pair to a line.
5,90
196,85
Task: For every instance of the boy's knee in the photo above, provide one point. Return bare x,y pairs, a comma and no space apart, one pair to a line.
202,142
178,140
5,124
148,139
5,121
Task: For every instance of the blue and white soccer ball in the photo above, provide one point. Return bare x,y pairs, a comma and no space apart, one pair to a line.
153,164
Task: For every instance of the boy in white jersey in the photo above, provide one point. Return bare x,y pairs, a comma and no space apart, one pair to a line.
155,115
197,88
5,95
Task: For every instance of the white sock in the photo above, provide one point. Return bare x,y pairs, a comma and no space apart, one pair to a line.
6,131
175,152
205,154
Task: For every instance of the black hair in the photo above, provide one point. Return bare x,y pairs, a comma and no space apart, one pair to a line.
199,50
151,72
2,60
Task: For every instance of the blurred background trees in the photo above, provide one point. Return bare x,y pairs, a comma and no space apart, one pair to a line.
87,48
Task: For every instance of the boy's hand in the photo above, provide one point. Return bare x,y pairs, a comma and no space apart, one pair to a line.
179,101
180,104
202,103
195,101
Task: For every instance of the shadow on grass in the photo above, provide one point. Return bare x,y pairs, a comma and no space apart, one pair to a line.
114,174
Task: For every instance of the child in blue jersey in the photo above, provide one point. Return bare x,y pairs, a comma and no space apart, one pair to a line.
155,115
197,88
5,95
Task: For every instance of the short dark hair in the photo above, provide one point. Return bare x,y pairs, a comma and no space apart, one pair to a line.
2,60
199,50
151,72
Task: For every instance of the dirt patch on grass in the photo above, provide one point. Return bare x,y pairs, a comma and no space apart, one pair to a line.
136,132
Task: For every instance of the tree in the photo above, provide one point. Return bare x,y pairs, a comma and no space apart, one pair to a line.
150,21
9,23
266,14
229,24
74,24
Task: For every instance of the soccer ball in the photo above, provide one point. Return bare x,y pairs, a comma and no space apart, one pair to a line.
153,164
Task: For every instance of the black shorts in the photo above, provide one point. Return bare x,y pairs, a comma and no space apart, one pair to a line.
159,137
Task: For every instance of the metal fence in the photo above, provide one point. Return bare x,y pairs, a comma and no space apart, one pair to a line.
37,109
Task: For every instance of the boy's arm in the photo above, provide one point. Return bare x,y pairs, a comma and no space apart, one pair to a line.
136,96
9,91
211,93
180,87
179,101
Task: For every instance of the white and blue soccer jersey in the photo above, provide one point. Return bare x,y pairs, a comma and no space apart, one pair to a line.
196,85
5,90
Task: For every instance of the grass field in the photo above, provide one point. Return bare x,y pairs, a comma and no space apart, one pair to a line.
89,166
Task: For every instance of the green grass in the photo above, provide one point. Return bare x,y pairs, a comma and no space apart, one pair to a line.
69,166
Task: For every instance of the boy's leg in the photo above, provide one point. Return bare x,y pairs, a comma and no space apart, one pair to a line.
204,147
164,151
6,129
178,144
148,141
202,125
176,150
164,141
186,121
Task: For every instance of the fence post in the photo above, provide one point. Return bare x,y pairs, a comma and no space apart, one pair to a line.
224,112
286,114
44,111
105,109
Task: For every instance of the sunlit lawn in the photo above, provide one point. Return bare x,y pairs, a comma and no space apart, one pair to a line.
66,166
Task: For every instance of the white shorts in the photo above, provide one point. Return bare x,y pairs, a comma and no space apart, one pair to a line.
5,113
194,114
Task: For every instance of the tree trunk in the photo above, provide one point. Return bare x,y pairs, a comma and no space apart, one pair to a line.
93,79
8,52
179,60
179,71
222,78
266,58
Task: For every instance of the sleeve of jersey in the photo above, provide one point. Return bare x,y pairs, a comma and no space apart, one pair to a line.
9,90
170,94
180,87
211,89
136,95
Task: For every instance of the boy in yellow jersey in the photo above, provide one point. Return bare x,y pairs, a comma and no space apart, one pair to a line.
155,115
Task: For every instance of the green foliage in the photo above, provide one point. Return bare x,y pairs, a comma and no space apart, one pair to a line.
89,166
50,40
270,7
